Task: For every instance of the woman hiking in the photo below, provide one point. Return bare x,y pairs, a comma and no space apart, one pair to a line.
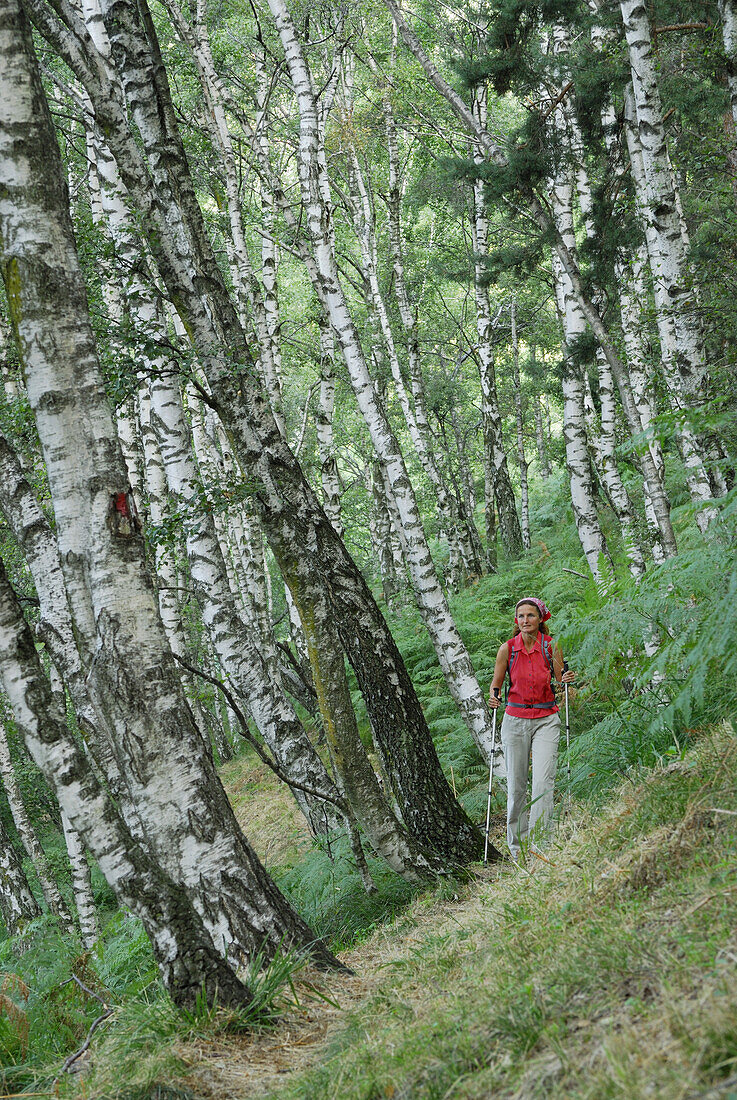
531,725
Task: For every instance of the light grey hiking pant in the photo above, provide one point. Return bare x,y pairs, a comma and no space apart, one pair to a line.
523,738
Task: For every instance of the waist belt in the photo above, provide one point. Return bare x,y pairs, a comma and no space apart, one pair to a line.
533,706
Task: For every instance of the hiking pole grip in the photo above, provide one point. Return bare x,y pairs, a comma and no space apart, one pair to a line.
491,780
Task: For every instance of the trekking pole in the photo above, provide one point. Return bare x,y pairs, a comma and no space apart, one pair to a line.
568,738
491,780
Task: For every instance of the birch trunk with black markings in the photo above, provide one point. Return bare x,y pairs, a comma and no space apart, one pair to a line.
129,668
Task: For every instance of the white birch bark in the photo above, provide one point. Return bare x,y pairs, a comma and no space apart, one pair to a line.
380,527
542,449
17,903
519,419
269,251
670,265
81,884
629,271
364,219
633,291
34,536
306,547
262,301
603,435
471,540
158,508
329,473
135,433
120,637
496,465
29,837
113,300
183,948
578,462
10,382
689,444
546,221
451,651
245,664
673,278
408,315
728,18
241,545
276,720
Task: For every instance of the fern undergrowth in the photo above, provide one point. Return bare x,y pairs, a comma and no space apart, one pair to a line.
656,662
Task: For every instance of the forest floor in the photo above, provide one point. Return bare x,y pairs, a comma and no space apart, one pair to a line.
609,971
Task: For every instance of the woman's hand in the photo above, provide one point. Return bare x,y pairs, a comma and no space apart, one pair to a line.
568,676
494,697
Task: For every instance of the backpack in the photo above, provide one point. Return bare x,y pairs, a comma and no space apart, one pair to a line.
548,655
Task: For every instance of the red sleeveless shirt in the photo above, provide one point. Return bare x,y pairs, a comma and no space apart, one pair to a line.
530,680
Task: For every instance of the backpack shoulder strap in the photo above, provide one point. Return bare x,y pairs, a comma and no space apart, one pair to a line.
547,646
511,654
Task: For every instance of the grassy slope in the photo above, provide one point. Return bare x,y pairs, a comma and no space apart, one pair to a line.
610,972
602,975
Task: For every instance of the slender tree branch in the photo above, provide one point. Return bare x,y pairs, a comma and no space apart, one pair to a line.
248,736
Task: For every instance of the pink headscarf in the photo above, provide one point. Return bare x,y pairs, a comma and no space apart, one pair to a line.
544,613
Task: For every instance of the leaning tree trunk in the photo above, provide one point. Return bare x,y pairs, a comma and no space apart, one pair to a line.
162,190
238,654
17,903
130,671
242,660
451,651
183,948
29,837
355,776
81,884
33,533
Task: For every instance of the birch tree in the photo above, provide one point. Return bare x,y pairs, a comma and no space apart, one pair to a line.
191,828
728,18
498,485
519,420
18,906
29,836
673,278
451,651
81,884
544,217
289,512
187,958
